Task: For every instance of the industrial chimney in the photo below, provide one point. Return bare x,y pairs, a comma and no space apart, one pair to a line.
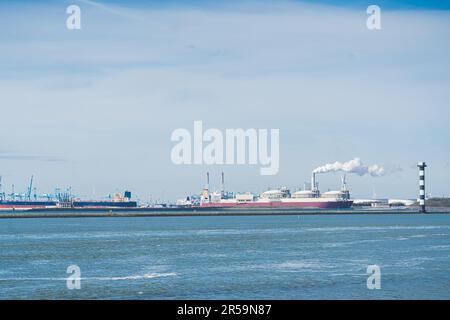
222,191
206,197
314,188
313,181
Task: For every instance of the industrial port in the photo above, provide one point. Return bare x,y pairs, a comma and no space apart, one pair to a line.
308,200
31,200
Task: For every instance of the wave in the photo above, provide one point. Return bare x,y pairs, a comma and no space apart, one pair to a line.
119,235
135,277
439,247
381,228
300,264
131,277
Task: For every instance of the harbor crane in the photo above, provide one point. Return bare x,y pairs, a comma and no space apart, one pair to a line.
30,189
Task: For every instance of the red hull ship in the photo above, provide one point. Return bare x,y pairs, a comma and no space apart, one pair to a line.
279,198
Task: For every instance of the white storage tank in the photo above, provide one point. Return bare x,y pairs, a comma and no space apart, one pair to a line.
245,197
332,194
272,194
303,194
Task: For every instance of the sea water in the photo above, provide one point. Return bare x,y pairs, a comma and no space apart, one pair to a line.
227,257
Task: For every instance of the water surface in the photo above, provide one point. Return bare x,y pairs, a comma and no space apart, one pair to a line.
235,257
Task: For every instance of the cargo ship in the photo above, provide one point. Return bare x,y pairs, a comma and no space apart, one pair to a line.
118,201
26,204
279,198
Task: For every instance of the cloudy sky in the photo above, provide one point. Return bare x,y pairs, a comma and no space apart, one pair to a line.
94,108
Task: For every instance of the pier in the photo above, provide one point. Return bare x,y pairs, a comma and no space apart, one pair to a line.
189,212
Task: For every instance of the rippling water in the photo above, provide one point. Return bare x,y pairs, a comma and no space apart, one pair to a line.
236,257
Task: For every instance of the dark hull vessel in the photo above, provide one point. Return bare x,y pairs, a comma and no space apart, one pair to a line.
104,204
26,205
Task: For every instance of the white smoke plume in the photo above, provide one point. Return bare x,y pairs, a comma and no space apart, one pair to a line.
352,166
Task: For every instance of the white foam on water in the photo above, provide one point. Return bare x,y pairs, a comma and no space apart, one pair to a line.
135,277
349,243
35,279
207,255
335,244
381,228
40,262
131,277
411,263
439,247
230,231
300,264
113,235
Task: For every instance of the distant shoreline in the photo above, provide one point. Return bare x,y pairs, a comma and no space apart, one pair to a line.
197,212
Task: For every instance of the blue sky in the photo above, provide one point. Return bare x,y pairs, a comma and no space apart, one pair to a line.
388,4
94,108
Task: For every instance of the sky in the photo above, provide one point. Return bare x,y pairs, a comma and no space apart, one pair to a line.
94,108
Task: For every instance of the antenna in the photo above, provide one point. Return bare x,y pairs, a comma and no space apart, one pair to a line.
223,185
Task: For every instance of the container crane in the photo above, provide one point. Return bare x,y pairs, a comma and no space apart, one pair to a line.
30,189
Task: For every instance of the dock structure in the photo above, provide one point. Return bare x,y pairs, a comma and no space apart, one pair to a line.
183,212
422,165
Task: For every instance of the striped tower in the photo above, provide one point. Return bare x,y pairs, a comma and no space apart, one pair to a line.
422,167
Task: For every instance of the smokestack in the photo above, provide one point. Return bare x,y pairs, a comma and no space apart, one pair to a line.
422,166
313,181
344,183
206,197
